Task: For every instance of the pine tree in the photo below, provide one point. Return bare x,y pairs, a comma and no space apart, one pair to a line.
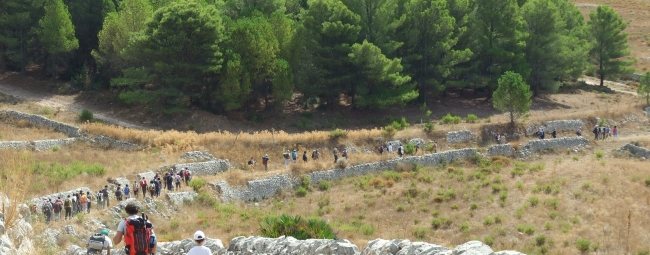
17,18
56,34
644,87
512,96
610,47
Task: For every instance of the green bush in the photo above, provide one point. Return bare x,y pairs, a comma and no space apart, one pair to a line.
324,185
338,133
599,154
429,127
389,131
301,191
527,229
441,222
583,245
409,149
471,118
540,240
206,199
489,240
197,184
420,233
85,115
647,182
449,119
297,227
533,201
464,227
56,173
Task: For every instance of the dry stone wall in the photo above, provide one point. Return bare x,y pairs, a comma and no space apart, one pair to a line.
564,142
559,125
42,122
16,145
501,150
178,198
114,143
264,188
43,145
460,136
211,167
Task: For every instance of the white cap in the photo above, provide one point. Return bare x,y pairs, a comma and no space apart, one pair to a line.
198,235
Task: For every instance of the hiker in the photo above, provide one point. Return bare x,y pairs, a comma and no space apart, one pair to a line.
400,151
602,133
84,202
169,182
99,242
607,132
315,155
390,148
58,207
615,132
287,161
554,133
127,191
336,154
251,163
344,153
90,200
596,131
188,176
542,134
143,186
134,227
105,195
498,138
158,183
265,162
579,132
100,200
67,206
380,149
118,192
136,188
435,147
199,249
152,188
177,180
47,210
304,157
294,156
75,206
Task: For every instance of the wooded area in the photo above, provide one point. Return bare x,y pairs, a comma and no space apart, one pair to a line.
225,55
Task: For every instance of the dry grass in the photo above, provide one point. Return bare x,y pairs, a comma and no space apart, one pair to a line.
16,179
22,131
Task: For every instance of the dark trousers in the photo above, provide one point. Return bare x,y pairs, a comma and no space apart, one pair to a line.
68,212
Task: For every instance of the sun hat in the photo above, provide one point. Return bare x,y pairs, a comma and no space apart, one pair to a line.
104,232
199,235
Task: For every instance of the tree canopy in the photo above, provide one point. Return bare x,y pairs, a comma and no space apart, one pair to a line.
513,95
610,43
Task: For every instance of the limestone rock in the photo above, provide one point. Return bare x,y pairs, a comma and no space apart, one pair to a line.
178,198
418,141
460,136
472,248
401,247
211,167
508,253
198,155
501,150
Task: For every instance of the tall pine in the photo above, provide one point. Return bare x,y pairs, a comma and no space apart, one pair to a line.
56,34
610,44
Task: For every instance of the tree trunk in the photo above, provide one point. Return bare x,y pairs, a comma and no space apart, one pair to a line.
602,74
512,118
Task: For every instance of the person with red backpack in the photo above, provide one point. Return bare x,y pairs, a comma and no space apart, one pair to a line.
58,206
137,233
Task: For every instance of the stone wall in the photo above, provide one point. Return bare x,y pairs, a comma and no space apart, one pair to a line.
114,143
501,150
460,136
289,245
162,248
43,145
264,188
636,150
16,145
211,167
42,122
560,125
147,175
178,198
39,200
564,142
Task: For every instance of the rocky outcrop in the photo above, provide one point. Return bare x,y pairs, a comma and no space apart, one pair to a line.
198,155
178,198
398,246
418,141
289,245
43,145
42,122
162,248
264,188
473,248
565,142
147,175
211,167
501,150
636,151
460,136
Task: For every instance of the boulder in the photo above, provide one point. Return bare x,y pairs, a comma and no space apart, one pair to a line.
472,248
198,155
178,198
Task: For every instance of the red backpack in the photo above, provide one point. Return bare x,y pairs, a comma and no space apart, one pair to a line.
138,235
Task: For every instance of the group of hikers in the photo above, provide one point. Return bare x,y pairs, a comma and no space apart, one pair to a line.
139,238
603,132
81,202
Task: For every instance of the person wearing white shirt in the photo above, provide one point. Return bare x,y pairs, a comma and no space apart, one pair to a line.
199,249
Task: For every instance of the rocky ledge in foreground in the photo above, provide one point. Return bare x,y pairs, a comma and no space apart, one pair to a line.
289,245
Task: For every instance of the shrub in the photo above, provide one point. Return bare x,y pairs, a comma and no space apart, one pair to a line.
400,208
440,222
324,185
449,119
297,227
643,252
583,245
489,240
206,199
429,127
647,182
367,229
599,154
420,232
389,131
533,201
527,229
464,227
488,221
85,115
197,184
471,118
409,149
540,240
301,191
338,133
473,206
552,203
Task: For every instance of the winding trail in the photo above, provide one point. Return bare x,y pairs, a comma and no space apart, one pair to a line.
615,86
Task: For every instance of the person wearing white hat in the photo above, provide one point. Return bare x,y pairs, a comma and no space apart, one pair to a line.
199,249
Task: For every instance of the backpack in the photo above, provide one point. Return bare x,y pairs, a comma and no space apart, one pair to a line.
126,190
143,182
58,205
105,192
152,187
46,207
96,241
135,188
178,179
67,203
84,199
118,192
138,235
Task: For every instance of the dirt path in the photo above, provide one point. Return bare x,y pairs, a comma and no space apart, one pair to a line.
616,86
65,102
